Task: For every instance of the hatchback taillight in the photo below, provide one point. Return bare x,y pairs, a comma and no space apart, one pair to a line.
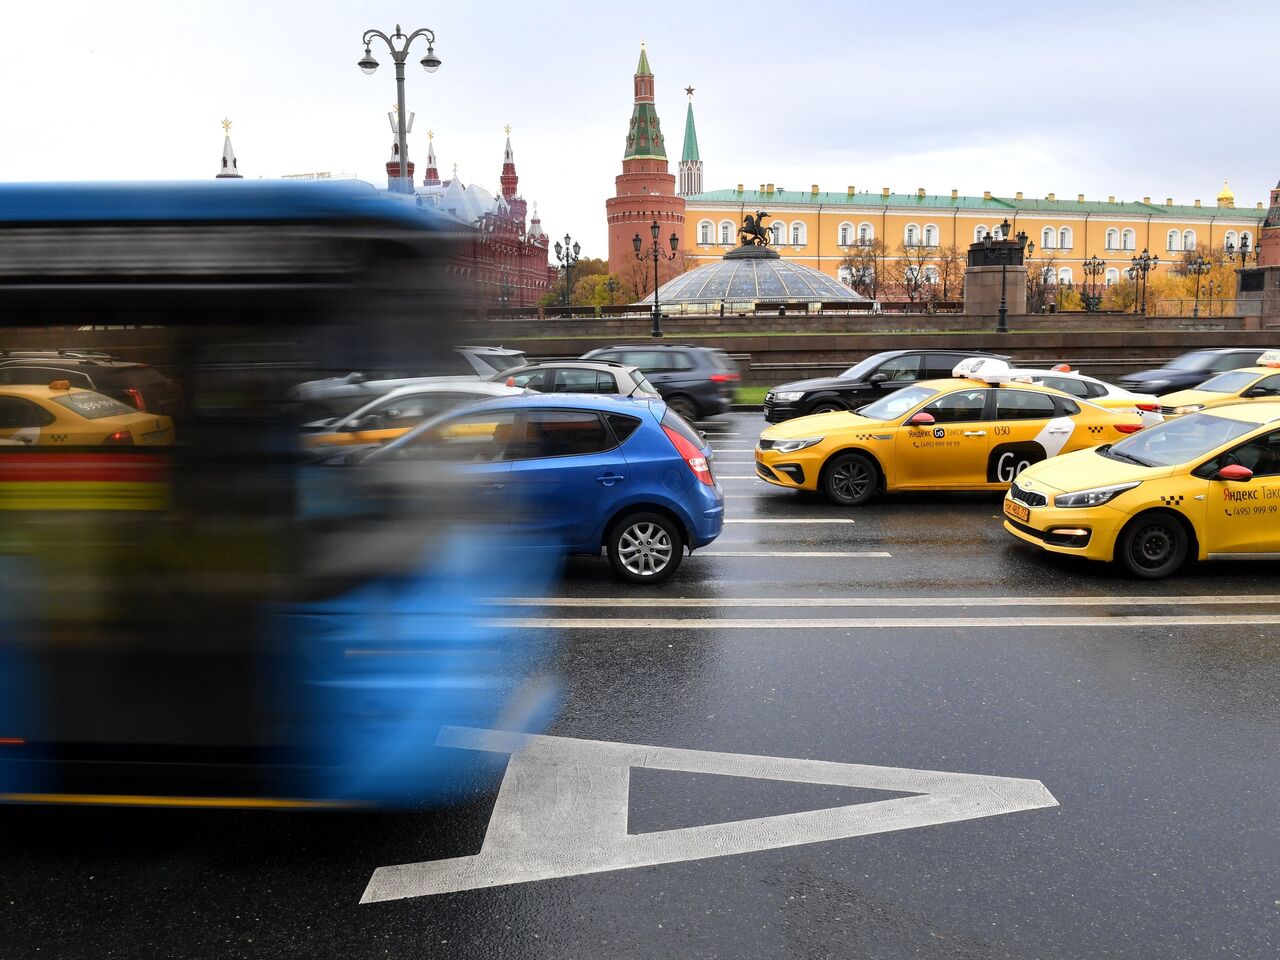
692,456
135,397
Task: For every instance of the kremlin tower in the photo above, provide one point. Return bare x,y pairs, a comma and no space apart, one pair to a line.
644,192
229,170
690,163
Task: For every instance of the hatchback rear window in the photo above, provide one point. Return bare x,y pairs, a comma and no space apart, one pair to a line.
93,406
681,426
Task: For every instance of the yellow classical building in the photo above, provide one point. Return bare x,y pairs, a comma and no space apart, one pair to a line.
822,229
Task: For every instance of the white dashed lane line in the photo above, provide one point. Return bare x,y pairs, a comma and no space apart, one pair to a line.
796,520
878,623
864,554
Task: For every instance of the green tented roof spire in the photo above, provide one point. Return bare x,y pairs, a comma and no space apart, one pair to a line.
690,136
642,68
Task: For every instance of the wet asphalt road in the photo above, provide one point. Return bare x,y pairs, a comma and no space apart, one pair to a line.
1160,743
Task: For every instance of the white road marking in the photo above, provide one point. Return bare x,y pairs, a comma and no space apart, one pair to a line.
876,623
796,520
1181,600
563,806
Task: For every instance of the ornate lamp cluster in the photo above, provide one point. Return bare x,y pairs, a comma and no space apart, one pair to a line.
657,253
399,53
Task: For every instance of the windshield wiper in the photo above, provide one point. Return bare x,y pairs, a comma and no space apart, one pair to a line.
1110,451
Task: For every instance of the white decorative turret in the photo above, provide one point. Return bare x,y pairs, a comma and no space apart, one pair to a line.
229,170
535,224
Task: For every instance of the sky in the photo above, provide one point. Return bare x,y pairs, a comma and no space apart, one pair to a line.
1119,98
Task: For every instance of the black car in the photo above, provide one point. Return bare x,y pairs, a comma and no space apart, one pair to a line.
139,385
864,382
696,382
1190,370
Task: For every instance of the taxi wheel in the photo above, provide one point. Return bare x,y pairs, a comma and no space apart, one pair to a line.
849,480
1152,546
827,406
645,548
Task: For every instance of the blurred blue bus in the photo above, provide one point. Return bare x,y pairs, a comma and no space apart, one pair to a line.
178,624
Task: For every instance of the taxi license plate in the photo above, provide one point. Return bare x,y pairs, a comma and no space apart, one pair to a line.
1017,511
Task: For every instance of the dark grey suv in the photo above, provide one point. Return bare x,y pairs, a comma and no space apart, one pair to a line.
696,382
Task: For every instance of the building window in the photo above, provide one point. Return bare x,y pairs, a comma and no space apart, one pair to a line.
775,232
1064,275
1113,239
996,234
1231,239
1246,238
865,233
930,274
1189,240
1064,238
911,237
797,234
846,234
726,232
845,275
1127,238
978,233
1047,238
930,235
704,231
1113,276
1173,240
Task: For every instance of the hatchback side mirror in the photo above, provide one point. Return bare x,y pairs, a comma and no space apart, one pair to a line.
1234,471
878,378
921,419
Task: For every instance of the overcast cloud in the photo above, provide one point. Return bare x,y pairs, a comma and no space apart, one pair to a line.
1132,99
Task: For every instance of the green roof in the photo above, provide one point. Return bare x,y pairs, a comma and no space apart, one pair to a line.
644,138
642,68
690,137
996,205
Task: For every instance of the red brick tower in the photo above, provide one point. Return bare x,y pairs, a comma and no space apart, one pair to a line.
1269,236
510,181
644,192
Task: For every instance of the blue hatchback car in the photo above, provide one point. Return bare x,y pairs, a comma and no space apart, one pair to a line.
582,472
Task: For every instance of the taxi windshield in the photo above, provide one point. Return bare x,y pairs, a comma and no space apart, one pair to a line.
896,403
1177,441
1231,382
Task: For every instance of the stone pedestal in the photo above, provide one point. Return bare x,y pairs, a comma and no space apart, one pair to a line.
1258,296
982,290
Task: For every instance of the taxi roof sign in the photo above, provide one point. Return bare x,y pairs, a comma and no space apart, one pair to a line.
983,368
1270,359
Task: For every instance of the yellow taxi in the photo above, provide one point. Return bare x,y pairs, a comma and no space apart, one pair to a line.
399,411
1247,383
976,431
59,415
1206,485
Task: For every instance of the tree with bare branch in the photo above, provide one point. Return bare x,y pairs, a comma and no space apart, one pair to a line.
863,264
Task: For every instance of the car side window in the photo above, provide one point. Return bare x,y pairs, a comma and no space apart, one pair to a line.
1077,388
679,360
45,375
532,379
563,433
650,361
623,426
901,369
1231,361
1261,455
1065,407
938,366
1023,405
474,437
1271,386
963,406
571,380
17,413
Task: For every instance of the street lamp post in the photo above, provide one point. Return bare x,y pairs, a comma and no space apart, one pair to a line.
430,63
658,254
1141,267
1093,268
1006,250
612,286
568,256
1199,266
1211,289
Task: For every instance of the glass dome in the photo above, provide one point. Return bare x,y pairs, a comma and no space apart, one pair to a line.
755,274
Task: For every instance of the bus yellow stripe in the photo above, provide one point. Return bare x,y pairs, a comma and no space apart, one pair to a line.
87,495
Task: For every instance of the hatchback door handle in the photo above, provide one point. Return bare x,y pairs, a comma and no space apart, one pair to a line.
975,433
609,479
492,486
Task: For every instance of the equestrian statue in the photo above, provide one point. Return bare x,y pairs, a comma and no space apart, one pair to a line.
752,230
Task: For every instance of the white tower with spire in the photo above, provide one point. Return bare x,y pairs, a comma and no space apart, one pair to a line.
229,170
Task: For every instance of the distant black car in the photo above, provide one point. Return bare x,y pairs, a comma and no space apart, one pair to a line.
139,385
864,382
696,382
1190,370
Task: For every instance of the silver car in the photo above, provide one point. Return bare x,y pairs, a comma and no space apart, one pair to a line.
578,376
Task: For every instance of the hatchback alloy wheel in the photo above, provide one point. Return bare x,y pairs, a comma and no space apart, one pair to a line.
645,548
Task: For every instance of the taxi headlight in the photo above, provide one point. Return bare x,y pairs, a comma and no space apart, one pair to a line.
788,396
1189,408
1095,497
791,446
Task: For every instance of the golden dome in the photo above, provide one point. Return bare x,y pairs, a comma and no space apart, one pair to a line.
1225,195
